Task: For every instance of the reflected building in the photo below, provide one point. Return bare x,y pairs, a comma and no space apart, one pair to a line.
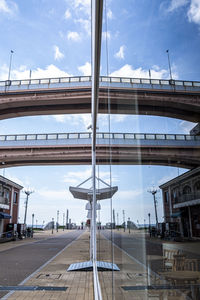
181,203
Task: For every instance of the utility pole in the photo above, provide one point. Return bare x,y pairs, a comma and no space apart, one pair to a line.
28,193
32,223
129,225
52,225
117,221
63,221
149,215
57,220
113,219
153,191
123,211
67,218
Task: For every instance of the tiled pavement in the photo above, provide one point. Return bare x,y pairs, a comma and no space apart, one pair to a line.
80,284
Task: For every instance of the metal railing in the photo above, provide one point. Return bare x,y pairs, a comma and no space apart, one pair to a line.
100,135
187,197
82,80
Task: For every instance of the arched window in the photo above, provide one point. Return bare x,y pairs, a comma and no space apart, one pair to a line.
187,190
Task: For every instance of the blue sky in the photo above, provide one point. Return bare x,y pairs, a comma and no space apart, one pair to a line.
52,38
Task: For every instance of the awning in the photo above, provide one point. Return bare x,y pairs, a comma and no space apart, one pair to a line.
176,214
4,215
187,203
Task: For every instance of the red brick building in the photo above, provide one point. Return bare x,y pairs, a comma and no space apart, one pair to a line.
9,202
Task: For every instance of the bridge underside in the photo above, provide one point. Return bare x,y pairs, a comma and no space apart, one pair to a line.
175,104
184,157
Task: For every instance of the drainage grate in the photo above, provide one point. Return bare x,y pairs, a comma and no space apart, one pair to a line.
32,288
158,287
48,276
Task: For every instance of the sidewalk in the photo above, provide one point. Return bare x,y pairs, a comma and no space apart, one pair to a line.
80,284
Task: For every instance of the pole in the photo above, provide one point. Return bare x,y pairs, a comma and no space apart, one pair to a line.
123,211
117,221
67,216
32,223
52,225
153,192
149,215
129,226
63,221
57,220
28,193
11,54
170,71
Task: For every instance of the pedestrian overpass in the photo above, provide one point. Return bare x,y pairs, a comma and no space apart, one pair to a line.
177,150
72,95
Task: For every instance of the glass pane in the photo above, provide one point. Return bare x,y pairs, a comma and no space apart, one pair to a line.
35,81
150,136
45,81
74,79
160,136
25,82
129,136
2,137
105,79
180,137
136,80
64,79
118,136
145,81
170,136
73,136
154,81
85,78
99,135
196,83
63,136
139,136
84,136
164,81
20,137
178,82
188,83
41,136
126,80
115,79
31,137
52,136
15,82
10,137
54,80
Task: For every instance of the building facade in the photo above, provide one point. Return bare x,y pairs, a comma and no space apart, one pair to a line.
181,203
9,203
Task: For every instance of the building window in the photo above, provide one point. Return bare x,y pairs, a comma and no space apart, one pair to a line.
15,198
187,190
197,186
166,196
6,194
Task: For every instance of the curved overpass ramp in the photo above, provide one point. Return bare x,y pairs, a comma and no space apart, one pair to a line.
117,148
169,98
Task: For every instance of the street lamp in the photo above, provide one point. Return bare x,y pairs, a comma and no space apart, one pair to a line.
52,225
28,193
57,220
149,215
170,71
11,54
32,223
153,191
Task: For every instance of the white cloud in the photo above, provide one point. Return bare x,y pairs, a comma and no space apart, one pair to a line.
120,53
51,71
128,71
129,194
82,120
85,69
109,14
84,6
194,12
106,35
8,7
175,4
57,54
85,24
73,36
67,14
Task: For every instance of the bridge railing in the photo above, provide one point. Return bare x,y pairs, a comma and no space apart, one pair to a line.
104,81
100,135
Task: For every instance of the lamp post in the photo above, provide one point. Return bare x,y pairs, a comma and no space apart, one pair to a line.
57,220
149,215
170,71
10,64
52,225
63,221
32,223
123,211
28,193
153,192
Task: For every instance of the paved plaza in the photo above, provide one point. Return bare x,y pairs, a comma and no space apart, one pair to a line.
51,280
